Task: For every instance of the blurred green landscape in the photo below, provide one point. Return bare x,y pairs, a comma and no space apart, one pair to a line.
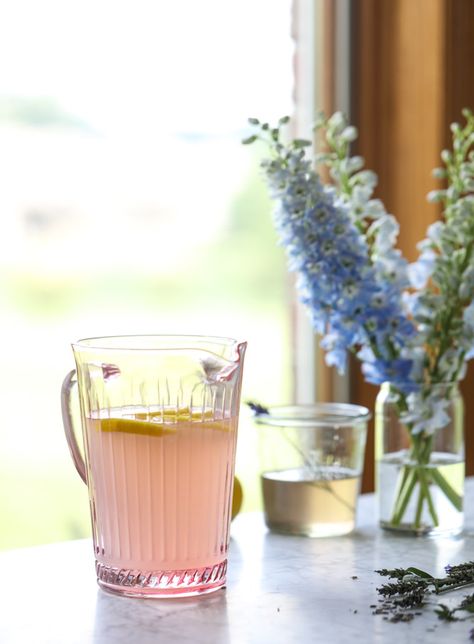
238,280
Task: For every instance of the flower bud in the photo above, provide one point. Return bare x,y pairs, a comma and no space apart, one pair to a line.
349,134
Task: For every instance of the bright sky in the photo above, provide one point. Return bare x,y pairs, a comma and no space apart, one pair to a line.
179,65
138,71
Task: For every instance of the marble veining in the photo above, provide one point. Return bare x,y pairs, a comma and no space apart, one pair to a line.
280,589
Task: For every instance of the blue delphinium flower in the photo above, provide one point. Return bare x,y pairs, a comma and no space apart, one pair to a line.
352,299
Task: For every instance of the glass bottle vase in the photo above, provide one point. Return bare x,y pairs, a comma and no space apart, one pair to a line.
420,470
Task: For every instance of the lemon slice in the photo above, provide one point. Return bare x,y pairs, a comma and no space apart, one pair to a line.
163,422
132,426
183,413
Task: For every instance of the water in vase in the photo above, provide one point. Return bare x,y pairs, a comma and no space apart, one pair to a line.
450,519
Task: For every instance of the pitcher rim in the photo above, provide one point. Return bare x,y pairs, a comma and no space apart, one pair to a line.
101,342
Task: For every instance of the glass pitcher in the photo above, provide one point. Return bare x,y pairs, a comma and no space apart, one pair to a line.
159,423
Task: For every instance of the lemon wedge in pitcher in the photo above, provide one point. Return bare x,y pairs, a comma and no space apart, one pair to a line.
135,426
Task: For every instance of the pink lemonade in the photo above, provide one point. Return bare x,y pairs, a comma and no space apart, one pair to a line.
160,493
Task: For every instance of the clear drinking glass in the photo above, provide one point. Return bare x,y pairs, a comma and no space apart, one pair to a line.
159,422
312,459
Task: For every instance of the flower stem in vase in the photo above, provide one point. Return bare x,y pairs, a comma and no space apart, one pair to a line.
420,469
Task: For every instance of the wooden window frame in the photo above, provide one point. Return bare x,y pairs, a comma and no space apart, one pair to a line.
411,73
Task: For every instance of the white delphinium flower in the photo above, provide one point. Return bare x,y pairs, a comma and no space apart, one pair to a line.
426,413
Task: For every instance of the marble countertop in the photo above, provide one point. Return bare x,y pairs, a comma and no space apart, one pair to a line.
280,589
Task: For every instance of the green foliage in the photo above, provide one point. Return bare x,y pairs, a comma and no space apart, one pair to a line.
37,112
41,505
243,265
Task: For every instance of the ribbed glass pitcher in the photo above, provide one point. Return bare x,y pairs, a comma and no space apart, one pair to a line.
159,421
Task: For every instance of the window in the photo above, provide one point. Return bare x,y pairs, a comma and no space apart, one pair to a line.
128,205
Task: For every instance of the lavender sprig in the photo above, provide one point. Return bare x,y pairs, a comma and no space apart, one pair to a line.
413,588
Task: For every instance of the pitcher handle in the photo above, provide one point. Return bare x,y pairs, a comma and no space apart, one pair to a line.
69,382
